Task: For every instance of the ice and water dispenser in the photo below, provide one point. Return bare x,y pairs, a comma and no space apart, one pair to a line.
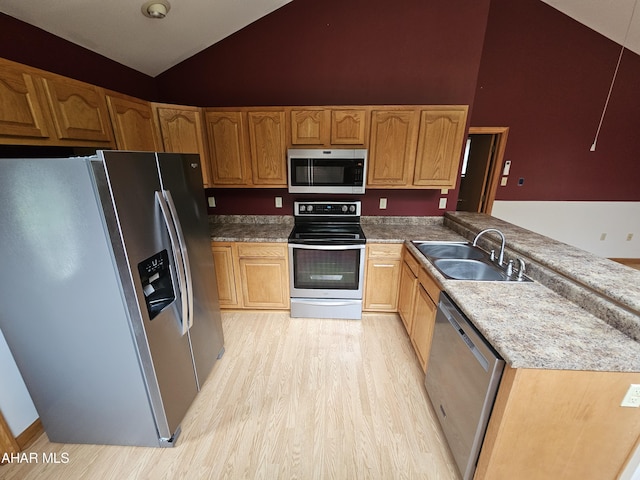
157,283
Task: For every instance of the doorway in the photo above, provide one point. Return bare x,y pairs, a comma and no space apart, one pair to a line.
481,168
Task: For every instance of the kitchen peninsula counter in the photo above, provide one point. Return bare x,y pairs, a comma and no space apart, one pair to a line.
530,324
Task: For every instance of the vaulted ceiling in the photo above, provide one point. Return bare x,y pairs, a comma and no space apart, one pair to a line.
118,30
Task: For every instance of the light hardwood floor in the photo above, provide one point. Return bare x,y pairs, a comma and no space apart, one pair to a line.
290,399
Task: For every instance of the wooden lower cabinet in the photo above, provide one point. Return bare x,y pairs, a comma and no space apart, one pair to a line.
418,298
252,275
408,289
559,424
424,319
223,258
382,277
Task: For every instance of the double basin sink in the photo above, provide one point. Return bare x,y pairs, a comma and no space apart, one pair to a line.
464,261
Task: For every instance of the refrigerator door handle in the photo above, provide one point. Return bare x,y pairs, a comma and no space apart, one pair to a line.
185,255
177,257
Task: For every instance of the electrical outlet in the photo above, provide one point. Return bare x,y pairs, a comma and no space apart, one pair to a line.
632,398
503,181
212,201
383,203
629,237
443,204
278,202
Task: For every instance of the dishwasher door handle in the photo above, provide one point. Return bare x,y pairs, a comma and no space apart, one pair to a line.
484,363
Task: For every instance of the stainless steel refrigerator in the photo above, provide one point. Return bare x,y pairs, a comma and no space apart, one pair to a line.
108,293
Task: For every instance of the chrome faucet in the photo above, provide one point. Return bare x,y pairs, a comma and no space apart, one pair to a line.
521,270
501,257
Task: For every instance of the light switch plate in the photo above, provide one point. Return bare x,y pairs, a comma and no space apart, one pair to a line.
503,181
383,203
278,202
507,168
443,203
212,201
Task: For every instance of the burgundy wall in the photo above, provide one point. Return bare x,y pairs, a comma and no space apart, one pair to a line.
339,53
262,201
547,77
336,52
537,71
33,46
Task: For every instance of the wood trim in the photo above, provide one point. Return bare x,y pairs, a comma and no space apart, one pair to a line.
629,262
32,432
8,443
494,175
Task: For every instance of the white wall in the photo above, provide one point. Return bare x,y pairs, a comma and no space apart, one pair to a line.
15,402
580,224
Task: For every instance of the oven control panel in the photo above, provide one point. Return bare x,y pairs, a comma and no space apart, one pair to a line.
349,208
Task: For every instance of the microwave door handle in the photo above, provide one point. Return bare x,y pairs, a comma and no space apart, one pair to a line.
177,258
185,257
310,171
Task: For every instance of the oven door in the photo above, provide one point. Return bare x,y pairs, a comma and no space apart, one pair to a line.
326,271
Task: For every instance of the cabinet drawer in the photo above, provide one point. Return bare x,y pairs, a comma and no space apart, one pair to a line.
387,250
262,250
411,262
431,286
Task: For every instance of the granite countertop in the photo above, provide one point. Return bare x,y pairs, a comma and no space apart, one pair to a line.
529,324
250,228
533,327
399,229
613,280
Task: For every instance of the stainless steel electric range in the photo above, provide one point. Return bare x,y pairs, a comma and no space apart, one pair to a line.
326,260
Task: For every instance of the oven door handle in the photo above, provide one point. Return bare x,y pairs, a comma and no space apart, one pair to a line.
327,247
328,304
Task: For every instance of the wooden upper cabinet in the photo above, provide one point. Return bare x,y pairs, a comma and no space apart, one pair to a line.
440,142
267,137
310,127
21,110
79,111
227,146
133,124
181,131
349,127
327,126
392,148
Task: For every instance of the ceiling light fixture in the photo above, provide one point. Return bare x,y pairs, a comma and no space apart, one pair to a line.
613,80
156,9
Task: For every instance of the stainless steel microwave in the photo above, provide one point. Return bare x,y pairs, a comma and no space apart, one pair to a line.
315,170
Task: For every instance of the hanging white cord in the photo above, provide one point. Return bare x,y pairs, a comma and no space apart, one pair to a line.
613,80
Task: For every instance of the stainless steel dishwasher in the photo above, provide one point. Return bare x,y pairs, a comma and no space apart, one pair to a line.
462,380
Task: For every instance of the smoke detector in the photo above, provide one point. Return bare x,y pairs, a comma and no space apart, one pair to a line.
156,9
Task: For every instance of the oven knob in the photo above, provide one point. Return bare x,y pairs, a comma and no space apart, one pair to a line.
302,208
309,208
344,209
352,208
